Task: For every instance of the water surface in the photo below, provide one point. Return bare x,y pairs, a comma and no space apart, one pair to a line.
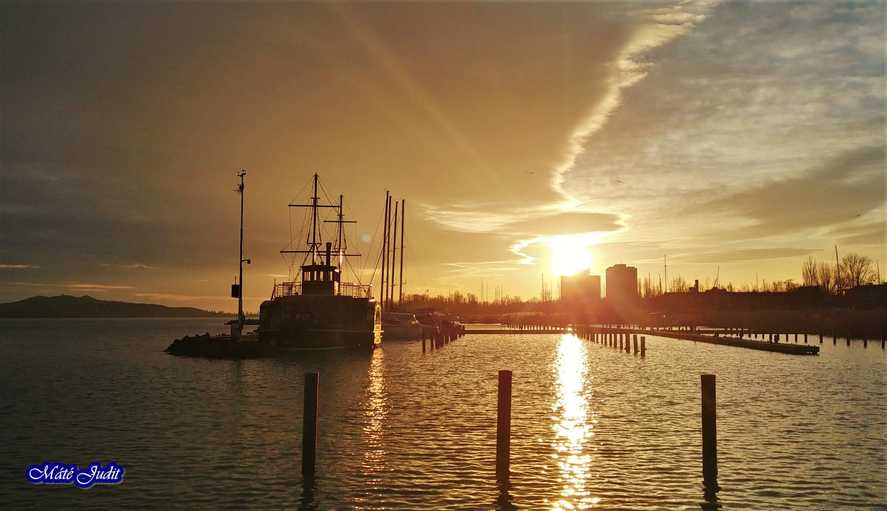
592,427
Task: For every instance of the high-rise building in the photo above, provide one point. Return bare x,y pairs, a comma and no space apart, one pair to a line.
581,288
622,283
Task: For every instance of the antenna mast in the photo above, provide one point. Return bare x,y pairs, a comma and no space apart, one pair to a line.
240,188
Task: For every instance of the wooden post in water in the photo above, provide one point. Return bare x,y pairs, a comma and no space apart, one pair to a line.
709,433
643,345
635,341
503,427
309,425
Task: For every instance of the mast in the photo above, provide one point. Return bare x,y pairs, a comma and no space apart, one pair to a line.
403,208
314,222
339,230
316,235
383,290
393,257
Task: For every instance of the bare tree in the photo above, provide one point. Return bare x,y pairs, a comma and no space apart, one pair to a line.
678,285
809,273
825,276
858,270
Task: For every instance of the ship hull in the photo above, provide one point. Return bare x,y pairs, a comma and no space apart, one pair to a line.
298,323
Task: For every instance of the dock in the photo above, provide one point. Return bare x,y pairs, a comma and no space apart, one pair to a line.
736,342
514,331
712,336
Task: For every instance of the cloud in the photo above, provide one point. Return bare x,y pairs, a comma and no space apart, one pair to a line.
841,189
570,222
749,254
658,27
129,266
7,266
872,233
770,116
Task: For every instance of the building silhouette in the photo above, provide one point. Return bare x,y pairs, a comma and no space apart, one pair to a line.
622,284
581,288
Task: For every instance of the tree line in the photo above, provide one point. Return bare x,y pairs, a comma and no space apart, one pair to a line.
851,271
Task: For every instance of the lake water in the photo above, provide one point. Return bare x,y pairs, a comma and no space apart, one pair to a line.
591,427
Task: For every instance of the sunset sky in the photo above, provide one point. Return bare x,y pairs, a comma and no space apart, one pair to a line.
737,138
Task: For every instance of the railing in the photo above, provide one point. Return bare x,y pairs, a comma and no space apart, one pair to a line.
355,290
345,289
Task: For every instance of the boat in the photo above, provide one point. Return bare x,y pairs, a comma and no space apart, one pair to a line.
401,325
318,310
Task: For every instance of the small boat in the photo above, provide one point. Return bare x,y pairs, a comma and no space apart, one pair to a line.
401,325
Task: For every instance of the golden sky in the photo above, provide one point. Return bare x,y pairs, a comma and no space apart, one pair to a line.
737,138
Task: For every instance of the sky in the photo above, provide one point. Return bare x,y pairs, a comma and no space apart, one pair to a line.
527,139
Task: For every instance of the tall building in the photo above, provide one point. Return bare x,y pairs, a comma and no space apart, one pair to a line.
622,283
581,288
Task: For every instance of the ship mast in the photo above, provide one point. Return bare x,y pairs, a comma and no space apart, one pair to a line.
316,236
341,241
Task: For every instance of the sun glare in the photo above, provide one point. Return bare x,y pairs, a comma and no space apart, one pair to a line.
569,254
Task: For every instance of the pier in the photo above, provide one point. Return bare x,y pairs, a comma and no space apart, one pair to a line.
721,337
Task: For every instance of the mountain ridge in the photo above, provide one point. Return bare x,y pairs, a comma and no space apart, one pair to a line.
67,306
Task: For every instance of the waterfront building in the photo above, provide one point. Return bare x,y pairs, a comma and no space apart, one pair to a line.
622,283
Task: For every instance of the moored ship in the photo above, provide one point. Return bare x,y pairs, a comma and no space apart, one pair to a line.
318,310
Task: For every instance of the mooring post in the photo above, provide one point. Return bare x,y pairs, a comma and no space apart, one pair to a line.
503,427
423,343
643,345
309,425
635,342
709,433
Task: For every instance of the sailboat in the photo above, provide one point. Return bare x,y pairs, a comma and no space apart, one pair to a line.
318,309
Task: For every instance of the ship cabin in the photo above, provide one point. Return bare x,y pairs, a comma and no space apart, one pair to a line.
321,279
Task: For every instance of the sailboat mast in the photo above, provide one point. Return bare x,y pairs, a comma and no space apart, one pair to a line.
393,256
403,207
383,290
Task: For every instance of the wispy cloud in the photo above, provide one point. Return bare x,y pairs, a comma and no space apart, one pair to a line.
748,254
129,266
8,266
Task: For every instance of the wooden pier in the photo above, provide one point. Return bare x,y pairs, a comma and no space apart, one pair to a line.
733,338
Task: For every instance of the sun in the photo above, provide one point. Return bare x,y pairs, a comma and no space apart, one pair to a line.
569,254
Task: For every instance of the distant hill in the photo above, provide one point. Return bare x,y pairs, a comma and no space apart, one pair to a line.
65,306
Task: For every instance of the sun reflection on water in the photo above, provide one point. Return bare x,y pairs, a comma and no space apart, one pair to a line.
375,411
572,426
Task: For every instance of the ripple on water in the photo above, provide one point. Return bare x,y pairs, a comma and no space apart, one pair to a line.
591,427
